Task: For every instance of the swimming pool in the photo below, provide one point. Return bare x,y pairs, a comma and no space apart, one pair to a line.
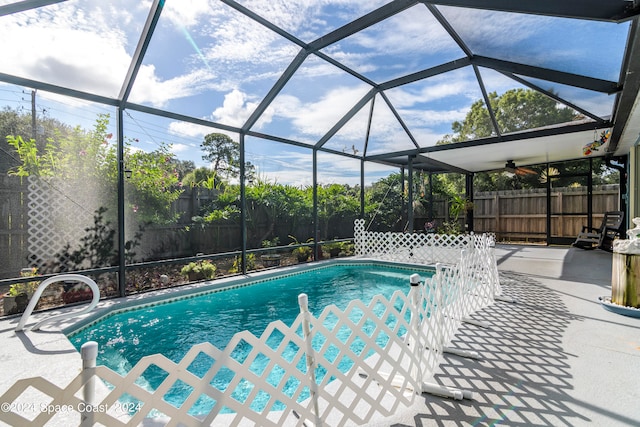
173,326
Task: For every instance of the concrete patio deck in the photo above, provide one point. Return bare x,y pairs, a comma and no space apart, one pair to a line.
555,358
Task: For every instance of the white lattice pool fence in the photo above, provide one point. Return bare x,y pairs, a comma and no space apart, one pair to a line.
418,248
341,367
430,249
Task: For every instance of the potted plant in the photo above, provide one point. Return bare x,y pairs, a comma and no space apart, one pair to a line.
430,227
458,205
199,270
270,259
302,253
333,249
16,300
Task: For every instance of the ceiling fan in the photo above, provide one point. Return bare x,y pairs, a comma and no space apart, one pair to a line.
511,167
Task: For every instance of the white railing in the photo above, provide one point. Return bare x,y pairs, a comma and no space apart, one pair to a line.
341,367
59,278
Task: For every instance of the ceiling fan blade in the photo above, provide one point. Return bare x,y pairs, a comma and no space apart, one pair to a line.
525,171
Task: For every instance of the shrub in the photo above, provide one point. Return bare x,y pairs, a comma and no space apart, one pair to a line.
26,287
237,263
198,270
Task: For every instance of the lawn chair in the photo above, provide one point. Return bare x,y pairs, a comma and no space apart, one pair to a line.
601,237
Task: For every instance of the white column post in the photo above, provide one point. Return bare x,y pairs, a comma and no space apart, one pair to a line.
418,347
303,302
89,353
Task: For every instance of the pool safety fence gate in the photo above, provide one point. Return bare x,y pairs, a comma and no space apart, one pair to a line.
345,366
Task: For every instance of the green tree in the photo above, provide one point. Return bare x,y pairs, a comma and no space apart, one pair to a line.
153,186
223,153
183,167
86,160
202,177
277,204
515,110
19,125
384,204
336,203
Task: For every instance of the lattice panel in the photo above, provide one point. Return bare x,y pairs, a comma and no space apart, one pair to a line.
478,281
450,299
369,338
55,218
413,247
463,289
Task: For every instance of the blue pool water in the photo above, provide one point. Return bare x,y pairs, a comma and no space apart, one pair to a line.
173,328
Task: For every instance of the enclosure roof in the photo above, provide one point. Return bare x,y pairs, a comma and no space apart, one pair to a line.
374,80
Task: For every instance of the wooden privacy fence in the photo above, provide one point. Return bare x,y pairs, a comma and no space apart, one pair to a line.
13,225
28,232
522,214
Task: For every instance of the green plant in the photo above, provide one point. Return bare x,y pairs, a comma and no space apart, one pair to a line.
459,205
89,160
26,287
450,227
197,270
237,263
302,253
333,248
339,248
347,248
270,243
33,162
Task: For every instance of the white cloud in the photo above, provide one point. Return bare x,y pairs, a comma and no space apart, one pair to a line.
310,18
493,29
67,57
86,49
188,13
149,88
294,168
414,30
180,148
423,118
196,132
315,118
235,109
190,130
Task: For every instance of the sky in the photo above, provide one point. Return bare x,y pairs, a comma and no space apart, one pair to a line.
209,61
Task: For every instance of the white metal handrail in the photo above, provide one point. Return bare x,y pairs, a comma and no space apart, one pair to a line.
45,283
